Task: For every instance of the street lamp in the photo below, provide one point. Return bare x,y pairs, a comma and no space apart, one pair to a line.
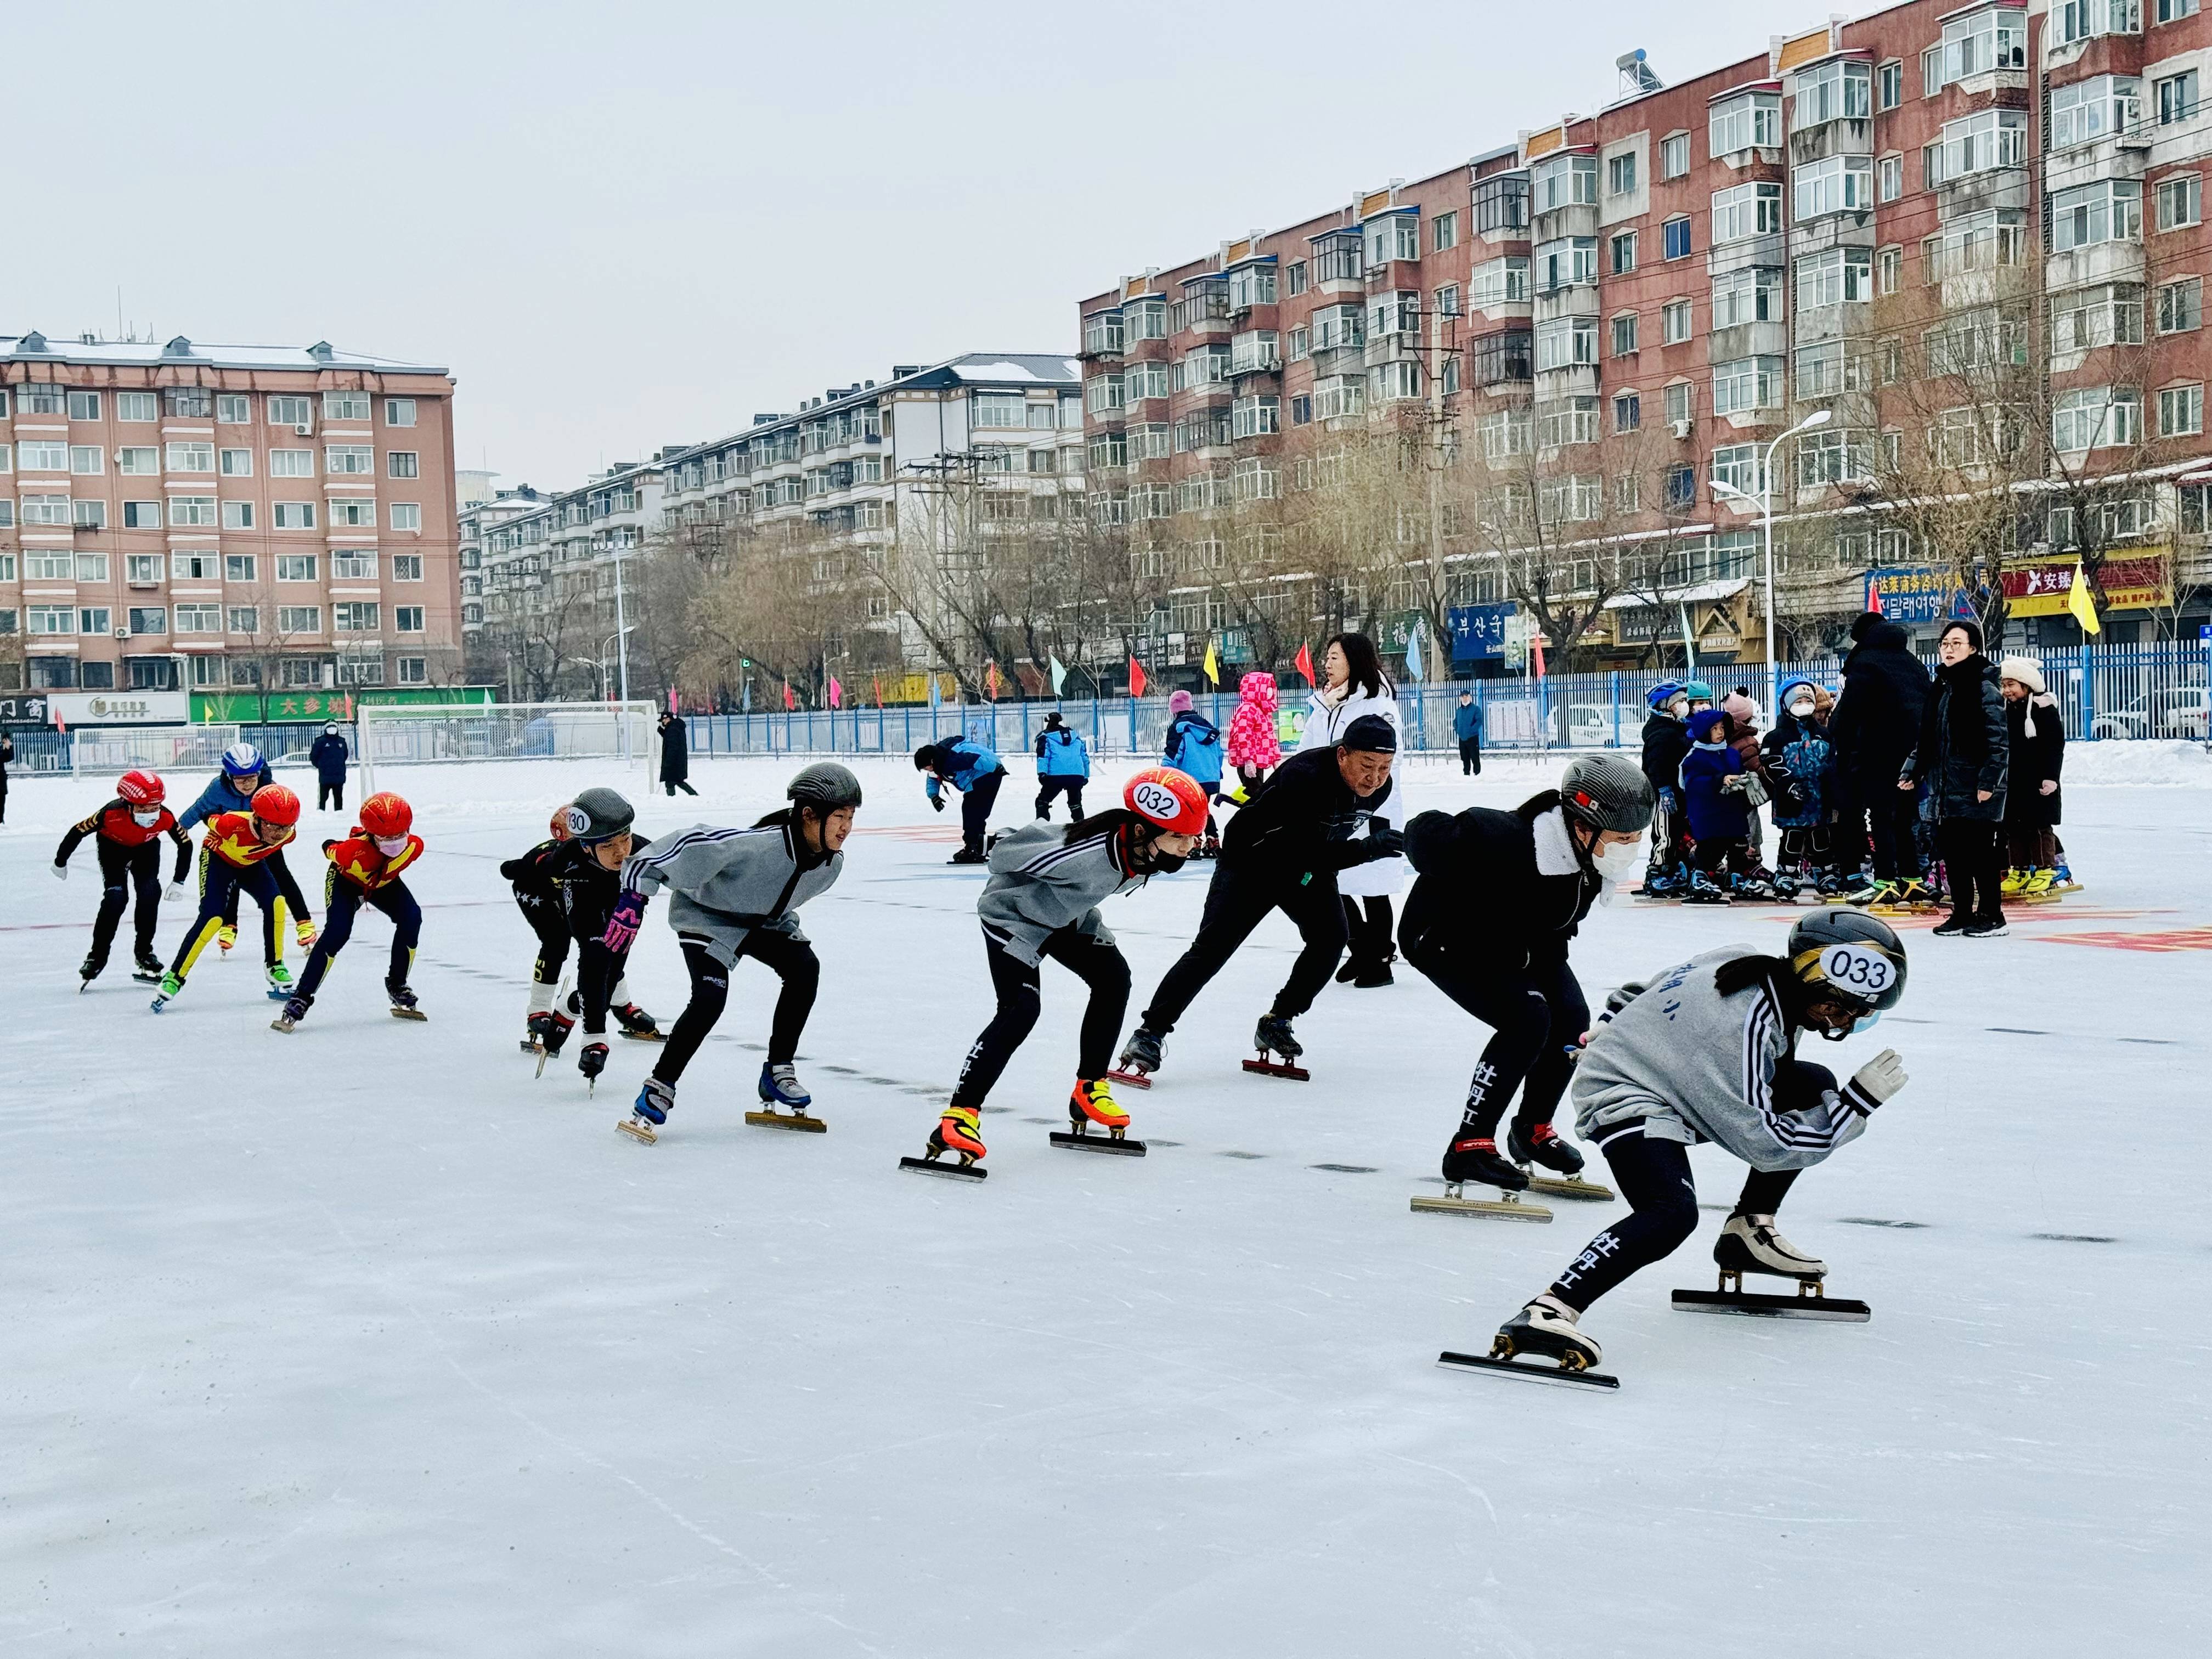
621,631
1765,499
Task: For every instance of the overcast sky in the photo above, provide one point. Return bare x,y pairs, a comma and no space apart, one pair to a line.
625,227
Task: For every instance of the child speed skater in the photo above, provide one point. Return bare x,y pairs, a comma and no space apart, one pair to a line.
1041,900
568,887
736,893
245,771
126,831
366,868
237,853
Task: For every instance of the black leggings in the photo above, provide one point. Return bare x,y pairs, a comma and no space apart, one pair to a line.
1653,1176
1974,860
550,923
1894,814
975,809
121,870
328,795
1536,1015
792,960
1096,962
1060,783
343,901
1236,901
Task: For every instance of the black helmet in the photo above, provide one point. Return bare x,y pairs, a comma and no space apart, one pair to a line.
1607,792
1851,956
598,815
826,786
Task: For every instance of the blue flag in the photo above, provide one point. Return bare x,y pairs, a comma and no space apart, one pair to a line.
1413,655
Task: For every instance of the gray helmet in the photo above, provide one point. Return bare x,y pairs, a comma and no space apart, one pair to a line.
825,784
1850,955
598,815
1607,792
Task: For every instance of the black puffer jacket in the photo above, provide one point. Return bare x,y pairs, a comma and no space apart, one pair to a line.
1877,721
1480,890
2034,758
1666,741
1965,746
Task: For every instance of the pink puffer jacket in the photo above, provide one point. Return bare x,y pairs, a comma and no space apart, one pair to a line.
1252,728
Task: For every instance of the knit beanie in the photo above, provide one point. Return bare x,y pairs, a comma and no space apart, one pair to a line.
1739,709
2028,672
1178,703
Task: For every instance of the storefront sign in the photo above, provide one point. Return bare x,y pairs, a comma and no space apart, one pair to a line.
1918,593
27,709
78,708
1478,631
2041,589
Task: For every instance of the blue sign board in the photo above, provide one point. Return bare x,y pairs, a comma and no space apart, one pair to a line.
1919,593
1478,631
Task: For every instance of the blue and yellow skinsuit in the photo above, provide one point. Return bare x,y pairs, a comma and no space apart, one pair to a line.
232,856
224,795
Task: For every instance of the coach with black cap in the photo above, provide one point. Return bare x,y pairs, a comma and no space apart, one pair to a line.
1309,819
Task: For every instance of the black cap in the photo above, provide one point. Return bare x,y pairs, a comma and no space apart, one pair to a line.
1371,734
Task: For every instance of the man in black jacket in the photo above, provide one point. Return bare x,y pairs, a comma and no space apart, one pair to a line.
1875,728
1499,897
1282,851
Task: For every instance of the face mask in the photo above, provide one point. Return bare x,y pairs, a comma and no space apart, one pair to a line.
1617,862
392,847
1803,711
1695,707
146,819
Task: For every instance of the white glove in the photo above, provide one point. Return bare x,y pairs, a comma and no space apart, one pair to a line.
61,873
1874,1082
174,892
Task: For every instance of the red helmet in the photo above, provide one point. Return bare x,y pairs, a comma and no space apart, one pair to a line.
385,815
274,803
141,788
559,823
1162,795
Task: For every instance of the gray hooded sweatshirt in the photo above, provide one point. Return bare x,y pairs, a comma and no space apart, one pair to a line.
1682,1062
722,884
1041,882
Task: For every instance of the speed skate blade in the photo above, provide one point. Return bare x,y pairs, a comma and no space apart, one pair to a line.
949,1171
788,1120
1570,1187
280,1024
638,1130
1759,1306
541,1063
275,995
645,1037
1506,1209
1538,1372
1130,1079
1086,1143
410,1013
1271,1068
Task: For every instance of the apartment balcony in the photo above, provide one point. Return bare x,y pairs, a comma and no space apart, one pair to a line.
1745,252
1569,380
1759,339
2097,262
1990,190
1845,136
1575,219
1568,299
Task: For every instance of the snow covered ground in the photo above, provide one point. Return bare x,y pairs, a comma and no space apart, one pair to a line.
363,1342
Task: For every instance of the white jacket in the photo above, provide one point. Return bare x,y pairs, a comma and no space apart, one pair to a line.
1326,725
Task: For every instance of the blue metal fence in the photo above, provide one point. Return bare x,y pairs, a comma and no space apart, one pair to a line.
42,749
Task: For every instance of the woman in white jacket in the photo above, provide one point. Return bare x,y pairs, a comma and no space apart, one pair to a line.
1353,685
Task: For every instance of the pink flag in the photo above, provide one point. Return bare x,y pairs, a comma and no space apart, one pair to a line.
836,693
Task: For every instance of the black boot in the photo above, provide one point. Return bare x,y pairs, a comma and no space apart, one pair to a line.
1475,1157
1541,1143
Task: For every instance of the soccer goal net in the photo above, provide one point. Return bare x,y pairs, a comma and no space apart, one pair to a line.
620,734
106,751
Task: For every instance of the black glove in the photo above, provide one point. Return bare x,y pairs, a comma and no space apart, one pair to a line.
938,801
1384,843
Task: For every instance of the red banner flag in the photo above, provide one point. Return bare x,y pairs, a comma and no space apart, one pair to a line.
876,681
991,679
836,692
1304,662
790,697
1136,678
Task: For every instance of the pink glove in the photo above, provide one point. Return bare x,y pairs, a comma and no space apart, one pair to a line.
621,926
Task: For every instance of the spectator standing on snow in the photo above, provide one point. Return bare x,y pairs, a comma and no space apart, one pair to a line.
1875,728
1466,727
1254,748
1963,758
2038,739
1063,767
675,754
328,754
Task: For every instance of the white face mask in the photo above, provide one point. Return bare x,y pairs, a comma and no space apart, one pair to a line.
390,846
145,817
1803,711
1617,862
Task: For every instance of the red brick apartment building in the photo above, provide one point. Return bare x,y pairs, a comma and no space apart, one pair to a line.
186,516
1870,222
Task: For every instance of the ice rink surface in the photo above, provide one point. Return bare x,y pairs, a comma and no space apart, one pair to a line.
361,1341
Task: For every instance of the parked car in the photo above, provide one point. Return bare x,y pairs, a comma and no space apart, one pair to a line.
2184,712
1586,726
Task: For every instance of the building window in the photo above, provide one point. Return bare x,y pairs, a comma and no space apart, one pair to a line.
1681,488
408,618
1994,138
238,515
137,406
1444,234
1446,300
345,405
84,405
1890,177
1302,410
2180,411
1996,39
1620,174
141,515
86,460
1562,342
1675,322
354,616
235,463
238,567
234,408
138,463
1889,270
1392,382
412,671
2181,306
1840,276
399,411
42,455
1674,238
1621,252
1627,411
291,411
1560,181
1736,466
1499,282
2177,97
92,515
342,460
1889,84
1294,277
1747,386
291,463
2096,417
195,619
1674,155
2109,210
1838,90
1682,400
45,509
351,511
407,463
1747,210
2180,201
1624,335
1500,203
1837,184
299,619
1751,120
296,515
149,619
1569,262
1749,294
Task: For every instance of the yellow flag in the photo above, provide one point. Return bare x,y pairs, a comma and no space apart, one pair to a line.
1212,666
2081,606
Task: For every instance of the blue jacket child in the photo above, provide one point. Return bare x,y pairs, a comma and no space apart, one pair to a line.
1716,813
1194,748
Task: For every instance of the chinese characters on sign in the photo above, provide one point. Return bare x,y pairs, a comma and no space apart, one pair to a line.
1920,593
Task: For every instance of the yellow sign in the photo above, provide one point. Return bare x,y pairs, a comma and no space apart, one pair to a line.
2045,587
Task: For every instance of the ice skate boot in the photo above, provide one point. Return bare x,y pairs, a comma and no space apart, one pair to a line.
780,1087
149,969
1916,896
1092,1102
1750,1244
1868,891
2064,882
1666,881
90,969
2036,887
279,982
1704,890
590,1063
1273,1036
1140,1057
227,938
2014,880
1541,1143
1546,1329
1475,1160
1832,886
294,1011
403,1002
1210,847
956,1133
547,1031
967,856
1757,885
637,1025
170,986
654,1103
